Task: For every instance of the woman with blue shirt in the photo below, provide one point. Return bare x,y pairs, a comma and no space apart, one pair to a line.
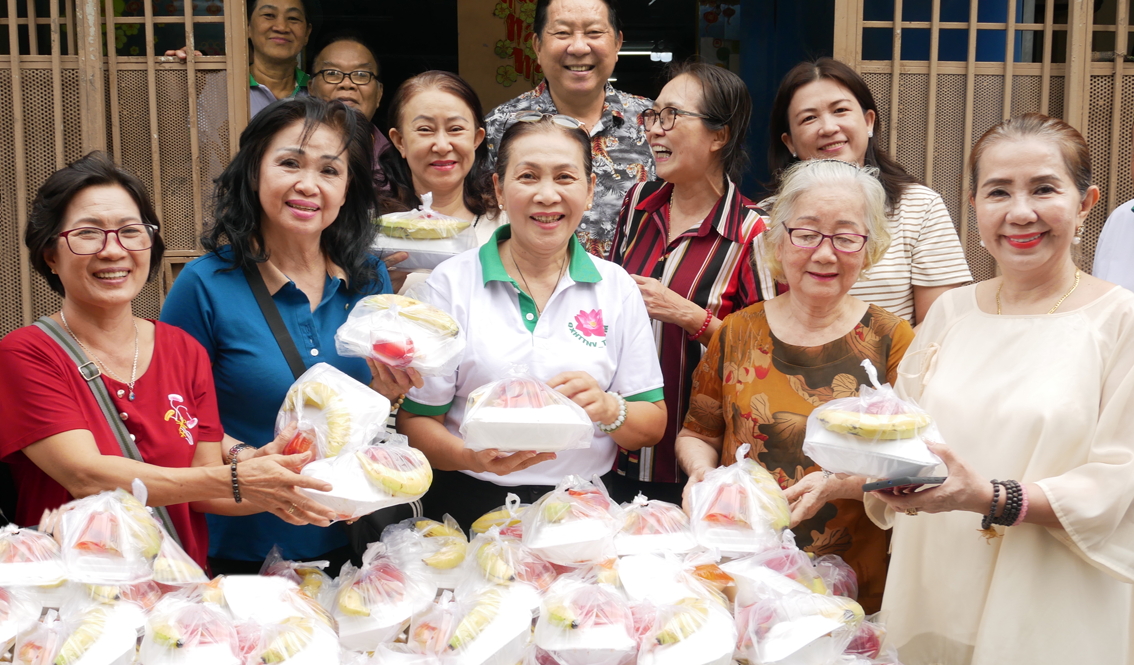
293,210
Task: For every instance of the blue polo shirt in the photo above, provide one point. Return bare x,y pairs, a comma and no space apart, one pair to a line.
216,306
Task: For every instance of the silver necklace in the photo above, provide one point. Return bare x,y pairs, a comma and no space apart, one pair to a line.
133,370
531,293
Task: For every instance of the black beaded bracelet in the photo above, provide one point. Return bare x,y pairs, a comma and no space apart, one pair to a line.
986,523
235,485
1013,503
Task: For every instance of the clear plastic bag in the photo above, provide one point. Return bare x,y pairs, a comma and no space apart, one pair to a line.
573,524
520,412
739,508
333,413
877,434
582,623
110,538
39,643
371,477
143,594
100,634
653,526
837,574
18,612
799,628
868,640
508,518
498,559
402,332
695,630
173,567
308,575
297,640
426,547
29,558
374,603
489,627
793,564
182,632
427,235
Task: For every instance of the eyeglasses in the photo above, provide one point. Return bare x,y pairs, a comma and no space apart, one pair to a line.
667,116
89,240
334,76
558,118
847,243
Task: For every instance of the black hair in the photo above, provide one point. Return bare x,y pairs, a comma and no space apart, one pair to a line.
346,242
345,35
544,124
726,102
893,175
54,196
540,20
478,193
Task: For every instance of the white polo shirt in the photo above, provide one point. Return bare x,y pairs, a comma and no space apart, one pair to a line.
503,329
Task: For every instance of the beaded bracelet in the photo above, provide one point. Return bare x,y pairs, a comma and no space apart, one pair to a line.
607,429
986,523
704,326
1013,501
235,450
398,404
235,485
1024,505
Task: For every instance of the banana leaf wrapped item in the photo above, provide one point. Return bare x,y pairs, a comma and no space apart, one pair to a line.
739,509
375,602
29,558
111,538
429,237
586,624
429,548
573,524
874,434
182,631
653,526
402,332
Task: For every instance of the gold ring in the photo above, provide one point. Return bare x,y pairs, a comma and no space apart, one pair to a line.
291,511
911,511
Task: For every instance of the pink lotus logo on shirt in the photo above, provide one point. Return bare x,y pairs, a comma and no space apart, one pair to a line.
590,323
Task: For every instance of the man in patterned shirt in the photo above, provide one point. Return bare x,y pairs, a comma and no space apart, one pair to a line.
577,43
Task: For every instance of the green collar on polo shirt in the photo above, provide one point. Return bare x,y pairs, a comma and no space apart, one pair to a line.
581,268
301,80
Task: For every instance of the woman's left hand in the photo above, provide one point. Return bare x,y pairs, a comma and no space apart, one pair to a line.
817,489
965,489
582,389
663,304
393,383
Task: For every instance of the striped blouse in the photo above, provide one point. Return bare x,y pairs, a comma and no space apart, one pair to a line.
710,265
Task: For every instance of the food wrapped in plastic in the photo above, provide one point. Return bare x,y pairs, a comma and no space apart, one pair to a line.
793,564
100,634
498,559
296,640
374,603
521,412
371,477
430,548
110,538
876,434
868,640
507,517
143,594
837,574
696,630
29,558
332,412
18,611
573,524
173,567
739,508
489,627
428,236
653,526
585,624
797,629
39,643
308,575
402,332
182,632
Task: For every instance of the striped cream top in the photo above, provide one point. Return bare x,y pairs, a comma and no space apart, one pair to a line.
924,251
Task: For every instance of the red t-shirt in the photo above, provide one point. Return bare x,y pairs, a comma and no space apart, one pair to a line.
42,394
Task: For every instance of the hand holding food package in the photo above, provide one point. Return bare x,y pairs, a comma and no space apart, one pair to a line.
573,524
876,434
521,412
739,508
428,236
402,332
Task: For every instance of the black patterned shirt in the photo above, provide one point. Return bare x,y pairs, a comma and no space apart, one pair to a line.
620,153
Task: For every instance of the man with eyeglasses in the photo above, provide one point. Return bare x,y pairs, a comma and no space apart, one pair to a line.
577,44
1113,251
346,69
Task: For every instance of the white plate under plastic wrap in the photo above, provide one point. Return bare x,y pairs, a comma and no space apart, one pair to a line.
845,453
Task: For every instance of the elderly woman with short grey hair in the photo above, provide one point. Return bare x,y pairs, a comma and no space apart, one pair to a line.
772,363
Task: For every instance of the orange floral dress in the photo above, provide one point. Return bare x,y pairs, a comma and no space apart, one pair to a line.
753,388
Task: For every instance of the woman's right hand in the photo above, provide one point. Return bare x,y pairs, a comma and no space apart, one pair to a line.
271,483
393,383
494,461
695,477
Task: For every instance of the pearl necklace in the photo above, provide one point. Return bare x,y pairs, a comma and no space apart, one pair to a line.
1057,303
133,370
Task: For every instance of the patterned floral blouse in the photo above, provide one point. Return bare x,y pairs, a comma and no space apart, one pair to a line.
753,388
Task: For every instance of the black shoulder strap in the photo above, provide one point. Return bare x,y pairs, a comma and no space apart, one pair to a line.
93,376
275,321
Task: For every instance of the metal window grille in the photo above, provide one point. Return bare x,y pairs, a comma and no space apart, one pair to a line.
69,91
1066,61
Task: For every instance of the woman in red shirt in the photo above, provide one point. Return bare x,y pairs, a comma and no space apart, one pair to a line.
93,235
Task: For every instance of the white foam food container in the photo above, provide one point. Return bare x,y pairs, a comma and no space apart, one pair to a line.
894,458
547,429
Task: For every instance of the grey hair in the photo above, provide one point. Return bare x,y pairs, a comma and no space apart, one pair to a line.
816,174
